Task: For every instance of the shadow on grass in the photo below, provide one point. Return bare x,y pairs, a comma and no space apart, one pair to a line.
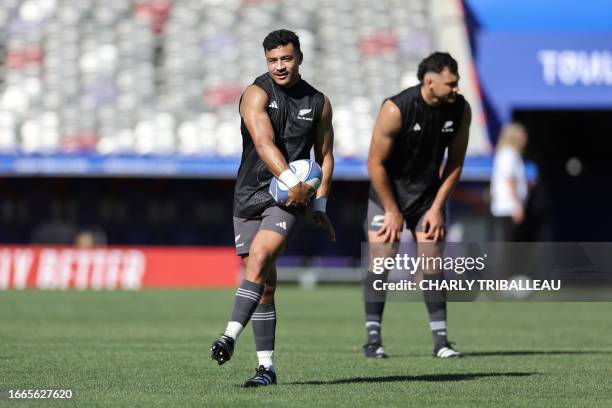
515,353
412,378
534,353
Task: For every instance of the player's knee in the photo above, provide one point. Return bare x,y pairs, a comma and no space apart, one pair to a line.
258,261
245,260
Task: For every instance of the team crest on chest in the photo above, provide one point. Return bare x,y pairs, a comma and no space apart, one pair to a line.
448,127
305,114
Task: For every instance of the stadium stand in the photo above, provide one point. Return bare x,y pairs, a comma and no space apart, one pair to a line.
164,77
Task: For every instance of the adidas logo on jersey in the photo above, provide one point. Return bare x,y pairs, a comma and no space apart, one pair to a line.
273,104
448,126
303,112
416,127
283,225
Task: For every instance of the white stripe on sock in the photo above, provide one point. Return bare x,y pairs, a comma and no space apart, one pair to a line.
375,324
245,293
233,330
250,291
437,325
266,359
247,296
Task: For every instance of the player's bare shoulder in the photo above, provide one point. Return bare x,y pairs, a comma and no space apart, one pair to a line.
389,120
467,117
253,98
327,112
390,108
467,111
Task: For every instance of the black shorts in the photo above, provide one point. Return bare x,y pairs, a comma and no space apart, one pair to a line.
376,217
284,220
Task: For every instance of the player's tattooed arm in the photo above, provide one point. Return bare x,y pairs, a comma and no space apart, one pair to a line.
253,110
324,155
388,124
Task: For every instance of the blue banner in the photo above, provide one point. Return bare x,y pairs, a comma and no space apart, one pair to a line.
545,71
75,165
543,16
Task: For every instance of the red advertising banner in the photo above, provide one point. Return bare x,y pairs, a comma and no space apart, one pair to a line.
108,268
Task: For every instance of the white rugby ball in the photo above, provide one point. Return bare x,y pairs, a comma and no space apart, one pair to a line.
307,171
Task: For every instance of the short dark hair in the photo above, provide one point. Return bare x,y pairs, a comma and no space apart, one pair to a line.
279,38
437,62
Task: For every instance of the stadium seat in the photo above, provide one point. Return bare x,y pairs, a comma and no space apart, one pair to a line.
164,77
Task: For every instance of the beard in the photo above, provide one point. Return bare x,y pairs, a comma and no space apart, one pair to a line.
450,98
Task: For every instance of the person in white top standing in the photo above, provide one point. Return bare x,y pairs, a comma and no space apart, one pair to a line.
509,183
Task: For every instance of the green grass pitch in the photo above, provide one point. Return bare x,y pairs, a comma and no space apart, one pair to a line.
150,349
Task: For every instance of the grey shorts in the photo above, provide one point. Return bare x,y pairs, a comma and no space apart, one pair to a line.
284,220
376,217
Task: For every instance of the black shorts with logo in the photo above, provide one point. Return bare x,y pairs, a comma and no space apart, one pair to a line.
284,220
376,217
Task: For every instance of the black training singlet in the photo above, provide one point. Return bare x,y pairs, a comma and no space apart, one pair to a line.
294,113
413,165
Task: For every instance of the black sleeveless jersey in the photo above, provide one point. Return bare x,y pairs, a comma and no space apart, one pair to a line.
294,113
413,165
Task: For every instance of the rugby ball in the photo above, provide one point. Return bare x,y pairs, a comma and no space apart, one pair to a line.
308,171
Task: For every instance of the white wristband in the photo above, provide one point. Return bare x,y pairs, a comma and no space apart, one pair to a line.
289,179
320,204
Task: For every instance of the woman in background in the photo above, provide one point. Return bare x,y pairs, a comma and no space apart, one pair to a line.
509,183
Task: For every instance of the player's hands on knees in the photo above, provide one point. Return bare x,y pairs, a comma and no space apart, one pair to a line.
433,225
323,221
300,195
392,226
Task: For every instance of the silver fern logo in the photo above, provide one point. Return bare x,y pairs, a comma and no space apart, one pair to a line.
448,127
303,112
